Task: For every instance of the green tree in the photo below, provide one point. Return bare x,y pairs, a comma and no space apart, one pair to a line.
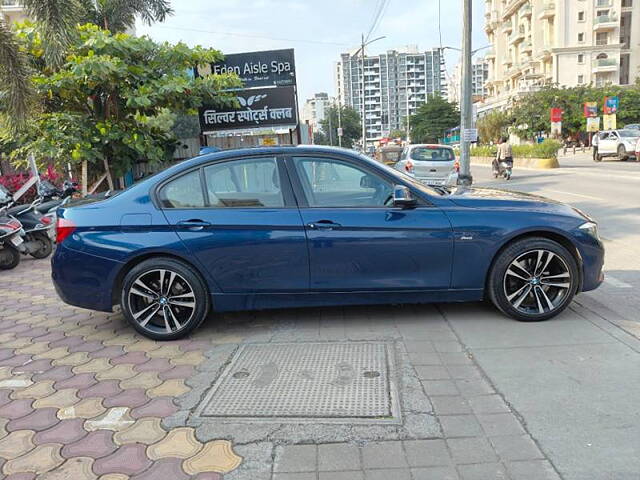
119,15
493,126
116,99
432,119
320,138
402,134
351,125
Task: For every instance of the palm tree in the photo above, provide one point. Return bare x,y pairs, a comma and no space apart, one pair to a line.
56,20
119,15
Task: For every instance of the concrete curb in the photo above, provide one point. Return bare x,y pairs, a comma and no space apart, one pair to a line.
537,163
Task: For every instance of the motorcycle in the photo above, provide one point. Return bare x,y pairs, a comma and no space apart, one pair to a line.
38,229
504,169
11,242
50,198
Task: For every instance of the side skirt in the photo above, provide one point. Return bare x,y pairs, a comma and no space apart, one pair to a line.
226,302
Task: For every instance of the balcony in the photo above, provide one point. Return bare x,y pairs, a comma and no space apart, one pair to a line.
548,10
525,11
526,46
601,65
507,26
604,23
11,6
517,36
491,53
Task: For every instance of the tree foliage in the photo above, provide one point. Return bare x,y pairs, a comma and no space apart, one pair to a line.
351,126
401,134
117,97
493,126
119,15
432,119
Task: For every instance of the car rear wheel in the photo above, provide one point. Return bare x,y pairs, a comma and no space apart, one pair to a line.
164,299
622,153
533,279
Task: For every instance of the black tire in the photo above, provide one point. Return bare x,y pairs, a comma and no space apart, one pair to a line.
501,286
9,257
46,245
161,326
622,154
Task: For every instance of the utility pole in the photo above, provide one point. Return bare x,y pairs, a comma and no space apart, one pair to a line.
465,177
339,123
364,126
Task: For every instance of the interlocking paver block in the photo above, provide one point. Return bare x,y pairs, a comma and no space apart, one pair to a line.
94,366
134,397
169,388
21,476
37,390
35,367
182,371
119,372
216,456
167,468
338,456
145,430
56,374
179,443
73,469
142,346
113,419
59,399
40,419
87,408
16,444
39,460
80,381
191,358
74,359
15,360
134,358
65,432
154,365
103,389
16,408
54,353
128,459
383,455
426,453
124,339
157,407
33,349
96,444
114,476
144,380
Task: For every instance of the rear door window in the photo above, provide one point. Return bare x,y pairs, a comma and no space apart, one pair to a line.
183,192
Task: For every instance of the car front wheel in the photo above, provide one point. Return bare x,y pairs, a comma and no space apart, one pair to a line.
622,153
533,279
164,299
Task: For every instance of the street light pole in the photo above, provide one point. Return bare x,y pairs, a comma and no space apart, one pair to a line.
465,177
339,123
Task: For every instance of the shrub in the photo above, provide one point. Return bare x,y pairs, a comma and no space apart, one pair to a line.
547,149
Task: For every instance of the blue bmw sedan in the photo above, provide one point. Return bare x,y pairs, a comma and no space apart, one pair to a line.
315,226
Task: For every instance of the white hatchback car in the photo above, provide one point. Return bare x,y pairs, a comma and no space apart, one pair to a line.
430,164
618,143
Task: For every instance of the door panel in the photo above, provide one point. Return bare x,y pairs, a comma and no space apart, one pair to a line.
251,238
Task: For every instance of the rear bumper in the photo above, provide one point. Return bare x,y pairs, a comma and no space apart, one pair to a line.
448,180
83,280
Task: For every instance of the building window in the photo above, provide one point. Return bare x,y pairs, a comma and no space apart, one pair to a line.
627,3
581,16
602,38
581,37
580,58
580,79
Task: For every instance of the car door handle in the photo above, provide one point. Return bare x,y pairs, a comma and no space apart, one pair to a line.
193,224
323,225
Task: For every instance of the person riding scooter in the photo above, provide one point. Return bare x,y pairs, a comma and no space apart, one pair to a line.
503,163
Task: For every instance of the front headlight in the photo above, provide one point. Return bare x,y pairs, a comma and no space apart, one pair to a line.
591,228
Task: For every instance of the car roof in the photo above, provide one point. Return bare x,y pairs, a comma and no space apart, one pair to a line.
429,145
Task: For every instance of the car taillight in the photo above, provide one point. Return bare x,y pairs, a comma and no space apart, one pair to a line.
64,228
456,166
409,167
14,224
45,220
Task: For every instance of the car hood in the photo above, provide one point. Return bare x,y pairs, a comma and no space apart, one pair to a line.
495,198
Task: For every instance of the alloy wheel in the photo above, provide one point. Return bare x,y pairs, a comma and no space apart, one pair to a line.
537,282
161,301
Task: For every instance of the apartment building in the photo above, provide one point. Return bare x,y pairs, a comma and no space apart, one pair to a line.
396,83
315,109
568,42
479,77
12,11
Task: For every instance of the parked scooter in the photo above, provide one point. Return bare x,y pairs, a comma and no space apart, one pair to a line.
39,229
505,169
11,242
50,197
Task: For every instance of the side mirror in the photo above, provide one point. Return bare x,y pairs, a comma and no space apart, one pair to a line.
402,197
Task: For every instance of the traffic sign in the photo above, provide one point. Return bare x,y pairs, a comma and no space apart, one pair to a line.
470,135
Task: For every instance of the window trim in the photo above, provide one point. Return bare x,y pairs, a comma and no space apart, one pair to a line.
301,197
286,189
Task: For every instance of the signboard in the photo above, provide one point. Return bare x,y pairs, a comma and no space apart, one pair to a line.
593,124
590,110
609,122
341,132
556,115
610,105
257,69
556,129
259,108
470,135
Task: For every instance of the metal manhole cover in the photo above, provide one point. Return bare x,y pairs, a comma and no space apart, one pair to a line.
343,382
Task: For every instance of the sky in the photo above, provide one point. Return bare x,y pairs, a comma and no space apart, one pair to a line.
318,30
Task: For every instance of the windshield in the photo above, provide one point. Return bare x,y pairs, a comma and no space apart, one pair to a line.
407,178
432,154
629,133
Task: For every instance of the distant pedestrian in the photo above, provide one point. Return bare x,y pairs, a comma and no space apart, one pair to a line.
595,141
504,153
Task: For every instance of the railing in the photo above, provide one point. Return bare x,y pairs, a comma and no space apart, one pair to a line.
10,3
605,62
525,9
605,19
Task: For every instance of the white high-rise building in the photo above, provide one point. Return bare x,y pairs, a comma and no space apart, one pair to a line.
396,83
479,73
568,42
314,110
12,11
